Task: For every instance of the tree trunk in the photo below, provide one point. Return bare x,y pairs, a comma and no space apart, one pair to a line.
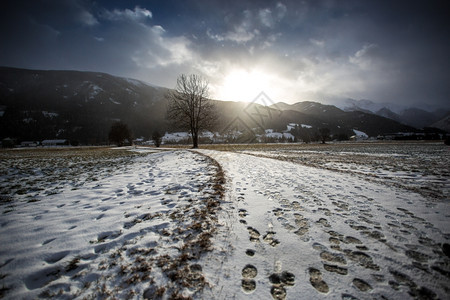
195,141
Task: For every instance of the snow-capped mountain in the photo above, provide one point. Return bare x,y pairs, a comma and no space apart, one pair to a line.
413,116
75,105
81,106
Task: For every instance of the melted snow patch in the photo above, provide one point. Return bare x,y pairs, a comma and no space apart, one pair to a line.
49,114
114,101
360,134
134,81
291,126
175,137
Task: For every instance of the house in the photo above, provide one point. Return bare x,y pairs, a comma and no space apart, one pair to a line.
53,143
29,144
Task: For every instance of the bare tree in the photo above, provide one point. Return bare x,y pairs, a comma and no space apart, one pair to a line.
157,138
120,134
324,134
189,107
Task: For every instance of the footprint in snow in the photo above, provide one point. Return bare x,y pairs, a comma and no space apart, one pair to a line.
48,241
254,234
302,224
323,222
362,259
269,238
248,283
55,257
333,257
243,213
361,285
315,278
335,269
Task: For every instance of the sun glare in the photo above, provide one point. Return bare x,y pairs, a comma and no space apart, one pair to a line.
242,85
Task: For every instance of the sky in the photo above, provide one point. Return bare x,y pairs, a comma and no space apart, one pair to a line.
384,51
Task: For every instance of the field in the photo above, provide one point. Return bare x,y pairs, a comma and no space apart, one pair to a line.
350,220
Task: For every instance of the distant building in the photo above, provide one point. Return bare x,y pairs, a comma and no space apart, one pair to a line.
29,144
139,141
53,143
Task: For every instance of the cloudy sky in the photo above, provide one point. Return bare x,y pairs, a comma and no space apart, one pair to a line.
385,50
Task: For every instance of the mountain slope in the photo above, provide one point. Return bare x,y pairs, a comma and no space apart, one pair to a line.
75,105
82,106
412,116
333,117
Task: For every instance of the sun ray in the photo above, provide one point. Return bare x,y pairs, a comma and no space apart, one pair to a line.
243,85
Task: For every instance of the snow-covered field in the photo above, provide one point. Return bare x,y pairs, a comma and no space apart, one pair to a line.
310,224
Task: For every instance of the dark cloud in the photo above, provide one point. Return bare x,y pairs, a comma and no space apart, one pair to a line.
380,50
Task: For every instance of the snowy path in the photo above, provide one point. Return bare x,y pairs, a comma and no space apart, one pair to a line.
113,237
291,231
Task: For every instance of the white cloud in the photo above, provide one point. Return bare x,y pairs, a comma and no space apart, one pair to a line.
365,57
240,34
138,14
318,43
162,51
281,10
216,37
265,17
87,18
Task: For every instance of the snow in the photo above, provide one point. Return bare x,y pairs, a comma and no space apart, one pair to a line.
291,126
175,137
352,104
283,228
306,126
279,135
134,81
207,134
114,101
360,134
94,89
49,114
77,240
298,219
130,91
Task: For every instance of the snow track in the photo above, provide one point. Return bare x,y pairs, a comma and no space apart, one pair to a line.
291,231
153,229
122,236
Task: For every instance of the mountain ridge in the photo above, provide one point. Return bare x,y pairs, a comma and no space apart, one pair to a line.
81,106
409,115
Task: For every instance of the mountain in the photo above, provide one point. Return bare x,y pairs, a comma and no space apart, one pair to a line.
338,120
81,106
418,117
411,116
368,106
387,113
443,123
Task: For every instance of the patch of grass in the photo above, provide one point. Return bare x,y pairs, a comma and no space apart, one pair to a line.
33,200
73,264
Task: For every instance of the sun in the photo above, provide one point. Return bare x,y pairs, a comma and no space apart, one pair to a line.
243,85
